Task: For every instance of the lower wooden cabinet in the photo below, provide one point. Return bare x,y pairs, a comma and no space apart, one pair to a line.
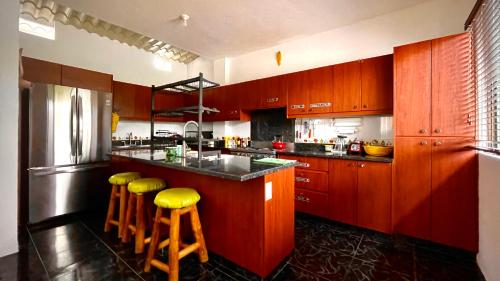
343,191
311,202
311,180
435,190
374,196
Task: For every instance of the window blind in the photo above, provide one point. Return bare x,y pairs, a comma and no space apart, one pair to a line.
485,30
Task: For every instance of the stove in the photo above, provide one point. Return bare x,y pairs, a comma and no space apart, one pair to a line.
252,152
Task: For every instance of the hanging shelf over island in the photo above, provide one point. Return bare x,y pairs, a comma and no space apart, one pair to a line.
190,86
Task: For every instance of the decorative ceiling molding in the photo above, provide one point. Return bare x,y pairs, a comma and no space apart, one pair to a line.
47,11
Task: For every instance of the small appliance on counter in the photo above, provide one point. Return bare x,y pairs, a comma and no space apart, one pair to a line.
278,142
355,147
340,145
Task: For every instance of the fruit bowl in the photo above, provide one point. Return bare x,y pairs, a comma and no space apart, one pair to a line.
378,150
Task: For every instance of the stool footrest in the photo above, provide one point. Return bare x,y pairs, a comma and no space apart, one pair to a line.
189,249
161,266
113,222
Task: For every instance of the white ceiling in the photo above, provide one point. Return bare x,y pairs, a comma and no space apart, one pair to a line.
224,28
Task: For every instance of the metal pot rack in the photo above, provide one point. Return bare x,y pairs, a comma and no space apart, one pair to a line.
191,86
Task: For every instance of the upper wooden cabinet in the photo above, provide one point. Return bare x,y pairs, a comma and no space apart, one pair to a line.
310,92
125,99
249,93
377,83
433,94
82,78
347,87
453,96
272,92
412,86
39,71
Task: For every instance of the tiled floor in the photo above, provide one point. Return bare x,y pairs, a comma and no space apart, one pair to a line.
324,251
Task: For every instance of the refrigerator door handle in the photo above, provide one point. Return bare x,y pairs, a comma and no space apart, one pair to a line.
80,126
72,129
46,171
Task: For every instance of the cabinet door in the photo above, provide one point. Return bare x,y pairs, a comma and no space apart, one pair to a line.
142,103
319,86
377,83
453,98
211,99
343,190
298,100
272,92
411,194
123,99
454,193
39,71
86,79
412,86
310,202
374,196
347,87
249,93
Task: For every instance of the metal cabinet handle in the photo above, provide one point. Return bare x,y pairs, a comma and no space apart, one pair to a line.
437,131
355,107
469,119
362,165
365,106
297,106
302,198
301,179
422,131
423,143
271,100
304,164
438,143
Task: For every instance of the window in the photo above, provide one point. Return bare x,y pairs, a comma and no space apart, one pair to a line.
484,25
37,29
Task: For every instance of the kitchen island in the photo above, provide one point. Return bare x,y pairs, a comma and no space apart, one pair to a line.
246,208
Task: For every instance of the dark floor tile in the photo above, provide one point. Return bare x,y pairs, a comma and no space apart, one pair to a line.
387,255
331,265
365,271
231,268
23,266
437,268
293,273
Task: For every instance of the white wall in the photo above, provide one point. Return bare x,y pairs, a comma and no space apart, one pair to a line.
82,49
9,113
368,38
489,211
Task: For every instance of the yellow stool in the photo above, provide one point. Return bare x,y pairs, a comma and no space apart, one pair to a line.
138,189
118,180
180,201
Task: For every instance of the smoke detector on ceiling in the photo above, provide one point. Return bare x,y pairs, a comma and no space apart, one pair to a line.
184,18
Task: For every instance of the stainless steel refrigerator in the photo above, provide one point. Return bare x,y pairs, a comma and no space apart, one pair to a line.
69,142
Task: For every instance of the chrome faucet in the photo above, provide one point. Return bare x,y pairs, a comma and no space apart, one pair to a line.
184,144
129,135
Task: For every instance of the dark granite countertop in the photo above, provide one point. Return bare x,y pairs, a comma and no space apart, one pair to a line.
228,166
324,154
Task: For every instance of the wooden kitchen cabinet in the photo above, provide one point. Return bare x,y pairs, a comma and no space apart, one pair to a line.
86,79
272,92
249,93
310,92
309,163
377,83
412,86
454,219
169,100
453,96
347,87
374,196
311,202
39,71
311,180
124,100
411,195
343,191
298,98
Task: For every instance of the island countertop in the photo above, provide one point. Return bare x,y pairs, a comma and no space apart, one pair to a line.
231,167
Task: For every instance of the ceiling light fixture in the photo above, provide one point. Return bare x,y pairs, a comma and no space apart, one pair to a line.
184,18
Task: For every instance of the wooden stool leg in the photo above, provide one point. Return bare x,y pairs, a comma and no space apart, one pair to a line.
111,208
140,225
155,236
123,209
128,218
173,248
198,234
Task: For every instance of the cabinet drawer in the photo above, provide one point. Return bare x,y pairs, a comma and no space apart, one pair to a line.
309,163
310,202
311,180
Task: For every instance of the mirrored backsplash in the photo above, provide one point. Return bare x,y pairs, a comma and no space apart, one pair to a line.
366,128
